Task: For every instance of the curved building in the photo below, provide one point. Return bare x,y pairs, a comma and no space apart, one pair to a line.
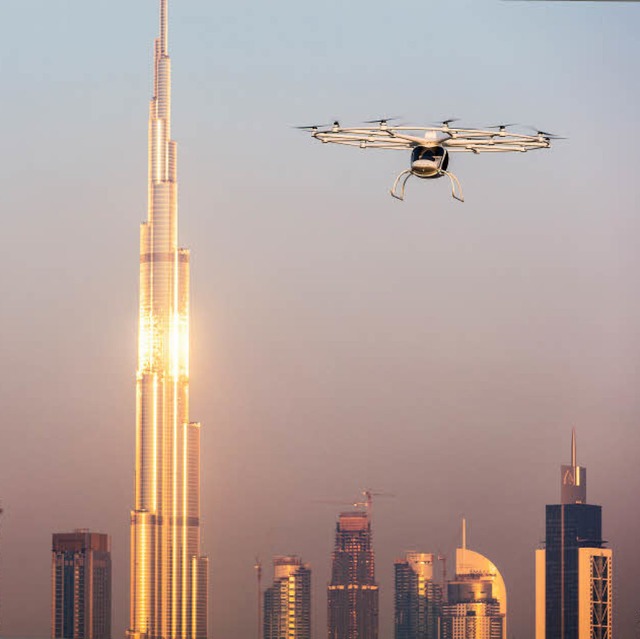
476,605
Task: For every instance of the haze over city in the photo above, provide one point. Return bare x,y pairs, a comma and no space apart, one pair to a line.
340,340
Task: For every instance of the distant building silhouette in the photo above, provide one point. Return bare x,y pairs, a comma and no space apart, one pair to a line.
353,591
287,603
574,594
476,606
1,511
418,599
81,586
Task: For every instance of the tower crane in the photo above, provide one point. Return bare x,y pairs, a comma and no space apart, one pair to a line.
366,501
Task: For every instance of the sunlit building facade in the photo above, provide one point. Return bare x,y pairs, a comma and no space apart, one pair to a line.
81,585
574,593
418,598
287,602
168,572
476,606
353,591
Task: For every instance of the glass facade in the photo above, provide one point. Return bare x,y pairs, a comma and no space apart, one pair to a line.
168,574
418,599
569,527
574,594
287,603
476,606
472,620
81,586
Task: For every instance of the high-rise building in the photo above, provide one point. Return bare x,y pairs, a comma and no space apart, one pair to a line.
574,594
168,572
1,511
476,606
287,603
81,586
353,591
418,598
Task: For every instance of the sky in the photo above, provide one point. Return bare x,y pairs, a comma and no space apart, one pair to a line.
341,340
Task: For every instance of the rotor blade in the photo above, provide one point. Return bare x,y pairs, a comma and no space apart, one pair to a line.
311,127
502,126
448,121
382,120
546,134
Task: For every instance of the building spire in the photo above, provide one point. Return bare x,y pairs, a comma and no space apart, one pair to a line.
464,533
164,26
574,478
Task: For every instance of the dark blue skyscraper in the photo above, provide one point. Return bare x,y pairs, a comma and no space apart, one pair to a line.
573,571
81,580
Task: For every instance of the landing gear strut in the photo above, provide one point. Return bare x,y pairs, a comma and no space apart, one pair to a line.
401,182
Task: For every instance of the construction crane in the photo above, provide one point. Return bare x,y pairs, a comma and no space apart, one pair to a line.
366,502
368,495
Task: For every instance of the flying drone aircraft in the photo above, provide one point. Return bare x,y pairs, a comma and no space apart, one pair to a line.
430,145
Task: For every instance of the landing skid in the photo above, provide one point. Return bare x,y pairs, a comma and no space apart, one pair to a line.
401,182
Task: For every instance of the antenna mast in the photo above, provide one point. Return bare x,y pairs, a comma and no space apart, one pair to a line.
258,569
464,533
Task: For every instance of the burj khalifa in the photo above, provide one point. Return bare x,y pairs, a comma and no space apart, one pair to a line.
168,573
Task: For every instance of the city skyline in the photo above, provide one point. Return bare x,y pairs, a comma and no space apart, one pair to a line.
336,340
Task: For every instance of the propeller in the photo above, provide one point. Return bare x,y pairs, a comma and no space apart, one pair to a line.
502,127
447,122
311,127
546,134
382,121
314,127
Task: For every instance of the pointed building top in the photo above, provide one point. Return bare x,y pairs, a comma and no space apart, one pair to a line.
573,489
164,25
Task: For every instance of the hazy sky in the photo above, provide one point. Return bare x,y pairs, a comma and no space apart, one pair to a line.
341,340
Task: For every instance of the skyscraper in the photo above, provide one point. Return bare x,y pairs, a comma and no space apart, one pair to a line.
287,603
574,594
476,606
353,591
168,573
1,511
418,598
81,586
